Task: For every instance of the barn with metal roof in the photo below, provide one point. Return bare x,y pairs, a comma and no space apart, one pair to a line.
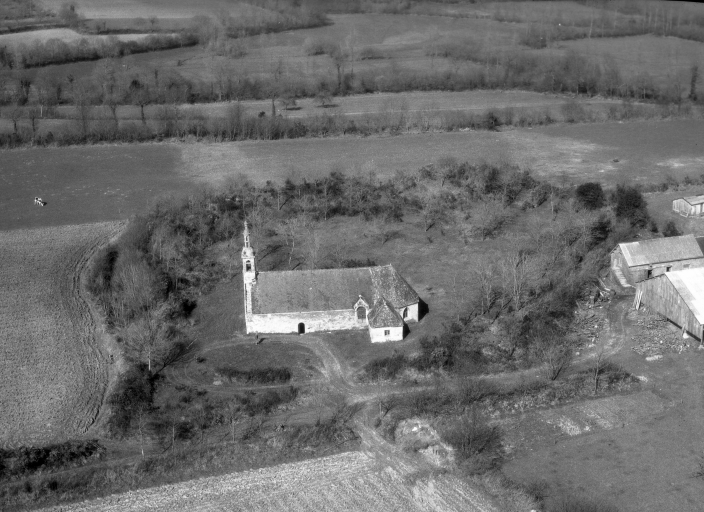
692,206
678,296
375,298
637,261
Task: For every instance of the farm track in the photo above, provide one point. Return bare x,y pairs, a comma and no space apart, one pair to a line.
53,375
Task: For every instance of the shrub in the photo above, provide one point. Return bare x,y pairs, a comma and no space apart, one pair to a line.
590,195
630,205
477,445
670,229
267,375
386,367
264,403
24,460
133,391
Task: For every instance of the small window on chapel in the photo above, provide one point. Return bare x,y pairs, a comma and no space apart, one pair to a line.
387,332
405,313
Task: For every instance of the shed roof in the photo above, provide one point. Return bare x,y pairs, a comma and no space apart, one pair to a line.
329,289
661,250
694,199
689,283
383,314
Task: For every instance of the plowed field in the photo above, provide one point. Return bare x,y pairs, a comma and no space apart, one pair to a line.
346,482
52,377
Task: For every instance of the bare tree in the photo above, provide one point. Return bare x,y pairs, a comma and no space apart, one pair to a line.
554,352
33,112
293,229
693,83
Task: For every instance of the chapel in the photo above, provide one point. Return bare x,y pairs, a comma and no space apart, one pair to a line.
374,298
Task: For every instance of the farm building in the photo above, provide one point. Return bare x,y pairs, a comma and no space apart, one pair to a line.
677,295
373,298
692,206
637,261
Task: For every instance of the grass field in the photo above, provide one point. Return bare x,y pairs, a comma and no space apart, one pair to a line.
646,462
52,376
114,182
99,9
85,184
347,482
64,34
666,59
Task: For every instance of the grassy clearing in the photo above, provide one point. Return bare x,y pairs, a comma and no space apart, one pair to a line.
668,60
100,9
46,333
63,34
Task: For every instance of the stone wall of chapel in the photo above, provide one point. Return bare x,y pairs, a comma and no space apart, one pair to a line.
379,335
314,321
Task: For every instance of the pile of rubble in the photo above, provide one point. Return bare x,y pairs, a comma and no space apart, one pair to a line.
655,336
588,324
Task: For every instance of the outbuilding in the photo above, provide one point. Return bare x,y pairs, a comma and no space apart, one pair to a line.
637,261
678,296
692,206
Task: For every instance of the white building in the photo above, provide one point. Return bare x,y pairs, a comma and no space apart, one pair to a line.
373,298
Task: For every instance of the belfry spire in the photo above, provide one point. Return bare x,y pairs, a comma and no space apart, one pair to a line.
246,234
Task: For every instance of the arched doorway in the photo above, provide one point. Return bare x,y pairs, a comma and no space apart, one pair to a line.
361,313
301,328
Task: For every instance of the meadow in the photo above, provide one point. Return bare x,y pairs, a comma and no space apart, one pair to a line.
52,373
112,182
667,60
63,34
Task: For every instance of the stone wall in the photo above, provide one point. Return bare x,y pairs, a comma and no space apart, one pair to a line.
313,321
411,313
379,335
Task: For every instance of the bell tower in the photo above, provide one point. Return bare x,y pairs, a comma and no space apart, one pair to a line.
249,274
249,269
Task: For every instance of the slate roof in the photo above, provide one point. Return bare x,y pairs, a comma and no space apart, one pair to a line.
383,314
694,199
329,289
689,283
661,250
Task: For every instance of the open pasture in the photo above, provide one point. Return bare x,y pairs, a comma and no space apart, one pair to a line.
646,151
98,183
351,481
99,9
52,375
667,60
64,34
85,184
